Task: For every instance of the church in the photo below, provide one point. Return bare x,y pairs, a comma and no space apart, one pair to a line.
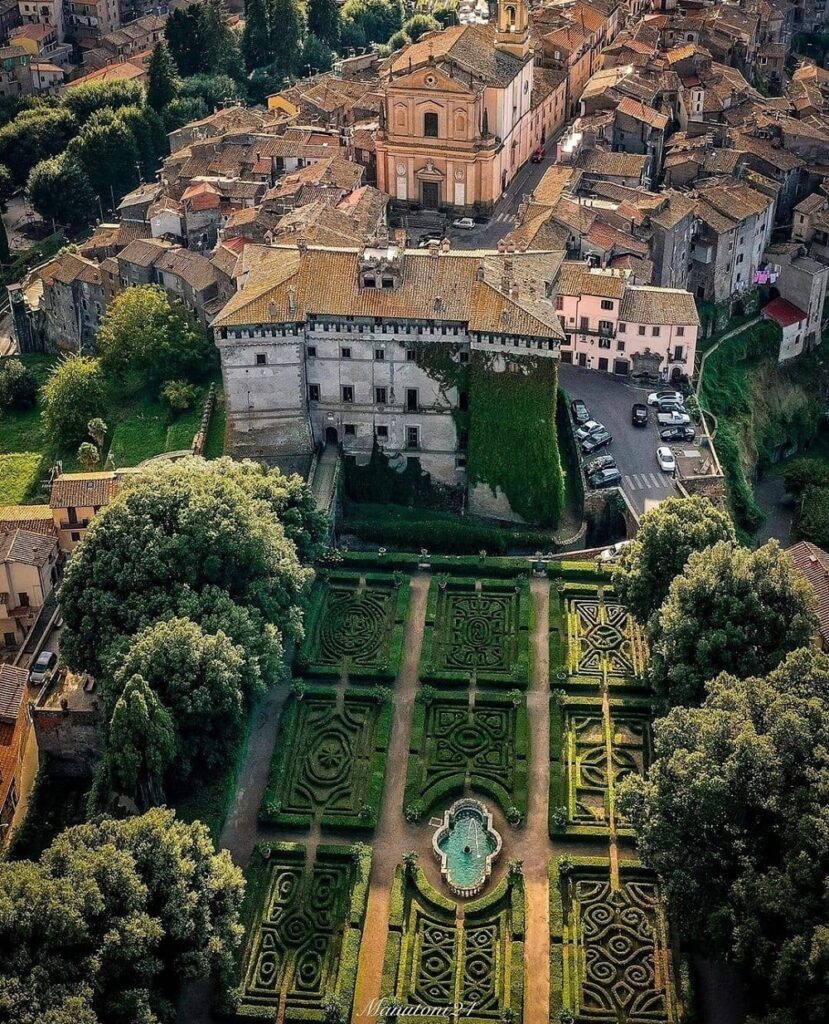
463,110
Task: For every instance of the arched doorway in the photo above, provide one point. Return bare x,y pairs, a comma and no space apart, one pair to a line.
331,435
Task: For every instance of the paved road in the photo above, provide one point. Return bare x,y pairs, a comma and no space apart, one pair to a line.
609,400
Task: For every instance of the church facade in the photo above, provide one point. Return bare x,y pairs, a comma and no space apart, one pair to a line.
463,110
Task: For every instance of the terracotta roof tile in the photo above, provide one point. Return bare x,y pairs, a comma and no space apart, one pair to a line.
84,490
26,547
813,562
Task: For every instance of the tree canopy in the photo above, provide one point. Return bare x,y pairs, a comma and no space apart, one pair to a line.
146,338
668,535
734,817
59,189
34,135
186,535
115,915
74,393
732,610
162,78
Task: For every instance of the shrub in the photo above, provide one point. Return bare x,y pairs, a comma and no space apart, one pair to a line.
18,385
74,394
178,395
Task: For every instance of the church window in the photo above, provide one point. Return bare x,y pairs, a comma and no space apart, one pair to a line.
430,125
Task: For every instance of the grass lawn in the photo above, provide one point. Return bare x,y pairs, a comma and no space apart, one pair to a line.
139,428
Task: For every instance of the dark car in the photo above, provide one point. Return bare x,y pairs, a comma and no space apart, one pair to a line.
598,464
581,414
670,404
605,478
678,434
598,439
639,415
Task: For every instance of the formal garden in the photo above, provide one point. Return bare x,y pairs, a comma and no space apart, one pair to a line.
402,862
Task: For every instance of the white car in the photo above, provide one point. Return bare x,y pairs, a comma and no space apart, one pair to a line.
673,419
614,552
465,223
666,460
587,428
655,397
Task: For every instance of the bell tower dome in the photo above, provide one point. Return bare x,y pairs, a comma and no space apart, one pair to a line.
513,29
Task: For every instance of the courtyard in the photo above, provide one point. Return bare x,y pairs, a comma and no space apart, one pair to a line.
417,689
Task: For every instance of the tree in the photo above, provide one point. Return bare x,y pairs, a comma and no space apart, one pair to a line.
97,430
114,917
324,20
7,187
804,473
60,190
183,35
107,151
316,55
85,100
378,19
398,41
196,678
147,129
145,338
732,610
732,816
420,24
162,80
220,46
215,90
35,135
74,393
667,536
88,456
256,37
179,535
813,522
288,20
182,111
141,743
18,385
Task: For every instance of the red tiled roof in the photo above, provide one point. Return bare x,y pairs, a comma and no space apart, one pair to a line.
813,562
784,312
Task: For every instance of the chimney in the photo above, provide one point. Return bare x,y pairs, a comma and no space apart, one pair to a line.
445,245
479,272
292,301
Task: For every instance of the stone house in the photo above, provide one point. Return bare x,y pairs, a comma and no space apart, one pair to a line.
76,498
28,572
67,717
616,327
801,283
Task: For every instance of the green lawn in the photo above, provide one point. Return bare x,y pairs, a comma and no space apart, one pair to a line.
139,428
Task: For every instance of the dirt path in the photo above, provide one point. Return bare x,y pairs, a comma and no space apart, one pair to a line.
535,845
391,837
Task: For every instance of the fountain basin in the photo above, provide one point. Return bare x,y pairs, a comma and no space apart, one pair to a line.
466,844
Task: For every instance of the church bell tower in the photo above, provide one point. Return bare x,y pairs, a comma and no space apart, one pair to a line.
513,30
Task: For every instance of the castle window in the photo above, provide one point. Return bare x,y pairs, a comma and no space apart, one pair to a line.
349,429
261,359
345,352
430,125
381,430
312,351
313,392
379,354
380,396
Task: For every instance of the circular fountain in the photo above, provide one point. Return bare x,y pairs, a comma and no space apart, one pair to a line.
466,844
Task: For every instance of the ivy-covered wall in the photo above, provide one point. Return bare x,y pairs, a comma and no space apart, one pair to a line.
513,443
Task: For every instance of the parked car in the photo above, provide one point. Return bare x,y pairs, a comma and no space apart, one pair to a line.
587,428
42,668
538,154
655,397
666,460
599,463
465,223
595,441
673,419
579,411
669,404
605,478
614,552
639,415
678,434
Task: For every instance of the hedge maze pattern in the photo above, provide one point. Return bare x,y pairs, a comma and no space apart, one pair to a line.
477,627
305,939
355,624
453,742
601,635
582,743
611,958
436,959
330,762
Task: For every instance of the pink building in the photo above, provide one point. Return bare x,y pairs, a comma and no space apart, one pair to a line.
622,328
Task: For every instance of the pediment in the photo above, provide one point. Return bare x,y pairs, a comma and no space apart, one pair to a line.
431,79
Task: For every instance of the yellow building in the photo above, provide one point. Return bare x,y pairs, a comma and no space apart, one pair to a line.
458,117
28,572
74,501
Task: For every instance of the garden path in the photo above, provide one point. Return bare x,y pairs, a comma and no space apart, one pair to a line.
392,838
